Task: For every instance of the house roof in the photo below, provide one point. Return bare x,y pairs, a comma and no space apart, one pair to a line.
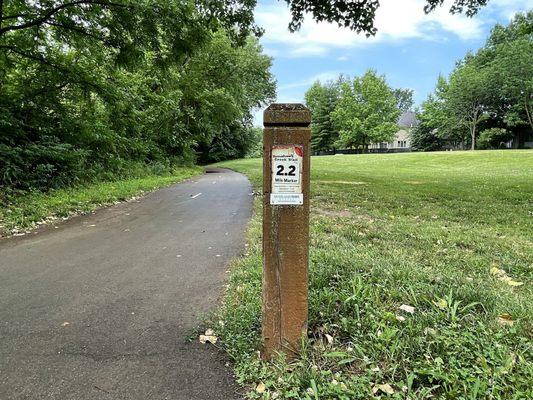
407,120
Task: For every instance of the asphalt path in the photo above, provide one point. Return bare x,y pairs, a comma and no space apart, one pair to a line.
107,305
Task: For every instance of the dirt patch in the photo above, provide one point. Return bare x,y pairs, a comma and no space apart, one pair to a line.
414,182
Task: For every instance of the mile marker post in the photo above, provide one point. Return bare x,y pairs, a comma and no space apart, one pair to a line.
286,173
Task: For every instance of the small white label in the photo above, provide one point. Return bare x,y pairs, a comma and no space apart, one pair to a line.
278,199
287,175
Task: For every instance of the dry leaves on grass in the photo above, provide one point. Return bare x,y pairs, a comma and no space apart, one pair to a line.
208,337
329,338
441,303
505,319
261,387
407,308
502,276
385,388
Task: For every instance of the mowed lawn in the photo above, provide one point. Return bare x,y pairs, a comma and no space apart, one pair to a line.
420,281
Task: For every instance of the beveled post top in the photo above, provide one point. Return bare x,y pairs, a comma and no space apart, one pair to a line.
287,114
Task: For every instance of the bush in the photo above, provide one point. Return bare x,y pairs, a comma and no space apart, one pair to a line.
42,166
494,138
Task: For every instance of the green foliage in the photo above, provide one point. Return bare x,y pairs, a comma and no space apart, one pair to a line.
256,149
88,88
229,82
424,230
511,71
404,99
430,134
366,112
321,99
492,88
425,138
493,138
466,96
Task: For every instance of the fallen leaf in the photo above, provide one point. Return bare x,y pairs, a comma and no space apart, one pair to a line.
505,319
407,308
208,337
261,387
386,388
512,282
442,304
204,339
329,338
497,272
430,331
502,276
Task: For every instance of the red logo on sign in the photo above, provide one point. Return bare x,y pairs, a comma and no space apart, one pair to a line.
299,151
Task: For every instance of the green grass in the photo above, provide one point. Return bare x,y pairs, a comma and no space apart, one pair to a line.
418,229
21,213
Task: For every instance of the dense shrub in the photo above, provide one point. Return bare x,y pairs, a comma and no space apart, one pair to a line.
494,138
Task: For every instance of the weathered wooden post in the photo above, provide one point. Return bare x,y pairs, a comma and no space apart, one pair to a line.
286,171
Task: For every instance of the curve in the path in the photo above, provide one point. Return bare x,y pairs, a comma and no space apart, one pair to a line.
102,306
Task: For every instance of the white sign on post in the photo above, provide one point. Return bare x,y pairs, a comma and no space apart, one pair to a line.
287,175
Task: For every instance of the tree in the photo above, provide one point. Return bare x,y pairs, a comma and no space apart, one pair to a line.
322,99
366,112
428,135
511,71
228,82
490,90
404,99
256,147
467,96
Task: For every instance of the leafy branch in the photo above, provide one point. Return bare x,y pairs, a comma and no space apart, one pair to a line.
48,14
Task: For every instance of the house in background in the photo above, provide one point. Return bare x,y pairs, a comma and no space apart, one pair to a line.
401,141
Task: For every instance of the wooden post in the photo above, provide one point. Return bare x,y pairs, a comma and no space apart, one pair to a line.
286,171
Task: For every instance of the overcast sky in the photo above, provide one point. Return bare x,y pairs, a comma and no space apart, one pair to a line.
410,48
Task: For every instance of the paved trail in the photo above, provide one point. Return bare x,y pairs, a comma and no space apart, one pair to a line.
102,306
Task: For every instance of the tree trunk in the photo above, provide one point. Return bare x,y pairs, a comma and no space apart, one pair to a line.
473,134
528,112
473,128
